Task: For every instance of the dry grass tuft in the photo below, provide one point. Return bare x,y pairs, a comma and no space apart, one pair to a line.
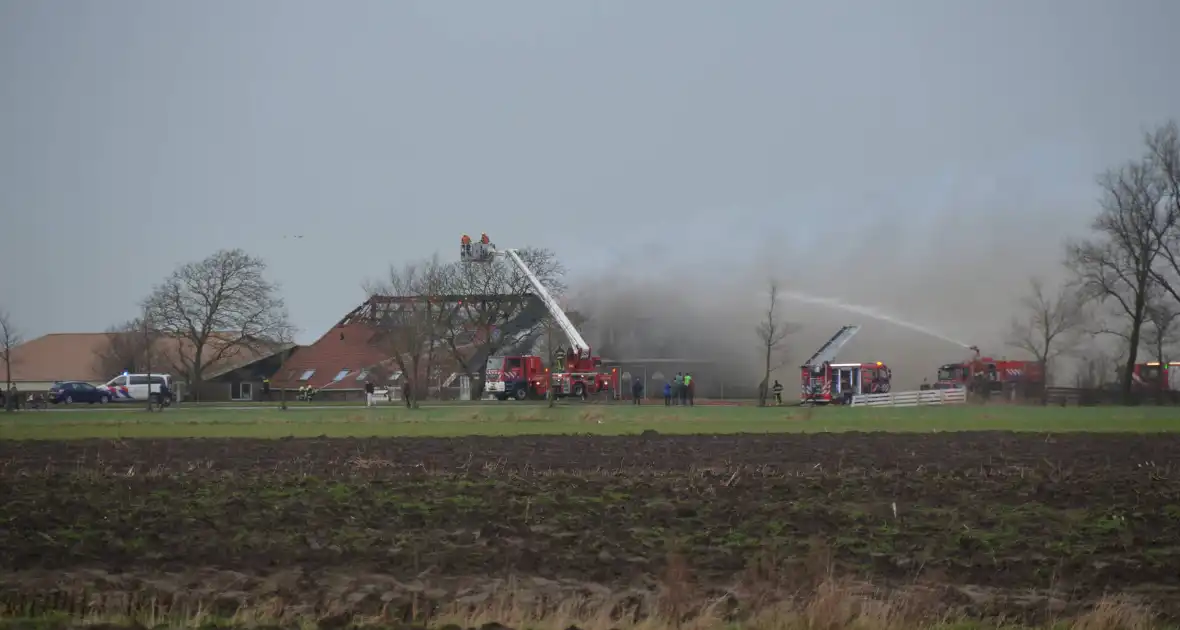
678,605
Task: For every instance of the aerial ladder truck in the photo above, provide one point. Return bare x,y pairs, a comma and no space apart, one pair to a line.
825,382
578,373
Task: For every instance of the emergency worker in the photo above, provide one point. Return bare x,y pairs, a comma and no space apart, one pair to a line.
483,238
778,392
690,387
466,241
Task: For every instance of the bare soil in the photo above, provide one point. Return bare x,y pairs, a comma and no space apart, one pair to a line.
992,523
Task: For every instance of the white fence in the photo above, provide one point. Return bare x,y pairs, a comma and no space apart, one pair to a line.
912,399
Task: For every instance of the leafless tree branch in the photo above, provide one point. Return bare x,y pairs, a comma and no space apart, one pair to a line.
10,338
772,332
1050,324
411,331
132,346
1163,158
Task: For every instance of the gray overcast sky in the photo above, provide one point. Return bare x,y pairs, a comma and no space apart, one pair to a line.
138,135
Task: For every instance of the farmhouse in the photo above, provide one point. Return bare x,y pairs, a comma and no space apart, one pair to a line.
238,375
340,361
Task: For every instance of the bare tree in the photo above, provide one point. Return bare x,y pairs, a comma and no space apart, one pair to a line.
772,333
1049,326
1161,330
1097,369
10,338
1163,158
216,308
495,309
132,346
1117,265
411,326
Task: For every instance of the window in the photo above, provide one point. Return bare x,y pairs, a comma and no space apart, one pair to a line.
340,376
139,379
363,375
307,374
84,387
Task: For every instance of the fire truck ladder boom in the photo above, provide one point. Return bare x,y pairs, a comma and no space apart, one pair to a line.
555,310
829,350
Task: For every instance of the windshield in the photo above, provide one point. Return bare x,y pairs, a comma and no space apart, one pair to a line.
495,363
948,373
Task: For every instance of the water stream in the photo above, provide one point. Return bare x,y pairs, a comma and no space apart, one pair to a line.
869,311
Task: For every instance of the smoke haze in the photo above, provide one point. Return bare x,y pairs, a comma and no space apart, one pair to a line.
959,273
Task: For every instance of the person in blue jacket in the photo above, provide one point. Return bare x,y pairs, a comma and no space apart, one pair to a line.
667,394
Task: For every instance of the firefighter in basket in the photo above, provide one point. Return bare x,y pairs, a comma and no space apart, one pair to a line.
465,247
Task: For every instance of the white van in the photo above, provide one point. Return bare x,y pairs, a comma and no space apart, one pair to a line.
135,387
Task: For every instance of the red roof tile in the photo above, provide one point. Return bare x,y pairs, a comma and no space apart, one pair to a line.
342,348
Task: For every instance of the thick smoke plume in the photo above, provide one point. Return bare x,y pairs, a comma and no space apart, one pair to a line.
960,275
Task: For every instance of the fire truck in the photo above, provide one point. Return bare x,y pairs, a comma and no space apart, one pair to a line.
825,382
997,375
577,373
1157,376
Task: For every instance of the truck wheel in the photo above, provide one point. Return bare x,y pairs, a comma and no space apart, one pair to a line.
521,393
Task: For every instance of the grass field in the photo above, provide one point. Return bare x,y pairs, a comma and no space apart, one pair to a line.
511,419
869,518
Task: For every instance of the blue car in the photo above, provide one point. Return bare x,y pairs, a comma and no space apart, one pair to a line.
69,392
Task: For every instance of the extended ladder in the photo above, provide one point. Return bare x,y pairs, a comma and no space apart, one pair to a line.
829,350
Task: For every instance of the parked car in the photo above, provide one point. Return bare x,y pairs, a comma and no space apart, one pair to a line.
68,392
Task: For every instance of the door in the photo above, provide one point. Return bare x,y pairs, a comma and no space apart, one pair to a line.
245,391
117,387
85,392
138,388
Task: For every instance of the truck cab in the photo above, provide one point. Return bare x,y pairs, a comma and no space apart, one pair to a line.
518,377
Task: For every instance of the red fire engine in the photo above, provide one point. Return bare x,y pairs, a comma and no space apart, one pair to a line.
1157,376
578,372
995,373
825,382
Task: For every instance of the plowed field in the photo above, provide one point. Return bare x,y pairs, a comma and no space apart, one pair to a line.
998,522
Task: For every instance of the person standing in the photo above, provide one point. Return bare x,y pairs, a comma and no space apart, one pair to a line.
667,394
690,387
637,391
406,392
677,388
778,393
684,389
369,391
